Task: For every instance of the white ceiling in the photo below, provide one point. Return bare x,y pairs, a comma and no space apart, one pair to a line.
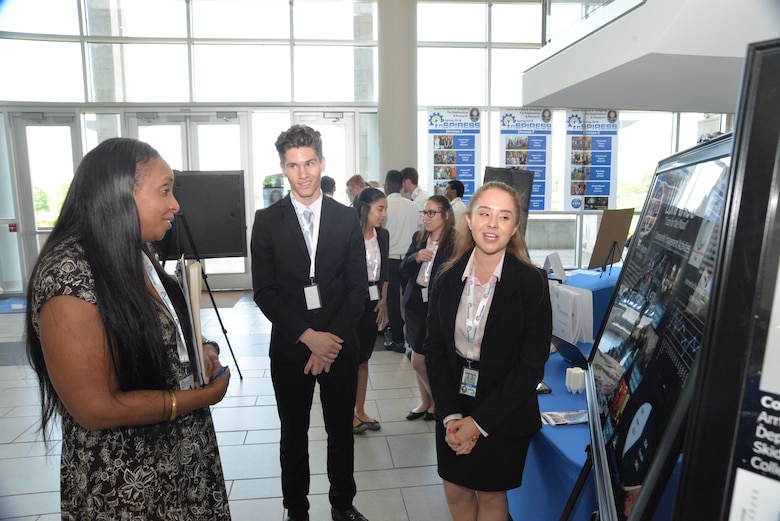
670,55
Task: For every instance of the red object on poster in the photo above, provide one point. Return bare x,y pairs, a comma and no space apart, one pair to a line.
12,227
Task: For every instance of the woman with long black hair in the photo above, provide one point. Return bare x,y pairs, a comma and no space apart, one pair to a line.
106,336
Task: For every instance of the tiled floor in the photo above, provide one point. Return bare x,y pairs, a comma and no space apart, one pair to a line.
395,467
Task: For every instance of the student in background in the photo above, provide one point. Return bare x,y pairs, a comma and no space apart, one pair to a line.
410,186
488,337
403,220
371,206
328,185
430,248
454,193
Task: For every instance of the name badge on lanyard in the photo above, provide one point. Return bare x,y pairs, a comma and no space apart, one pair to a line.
312,295
470,376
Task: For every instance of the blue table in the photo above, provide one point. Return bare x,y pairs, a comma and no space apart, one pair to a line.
556,457
558,453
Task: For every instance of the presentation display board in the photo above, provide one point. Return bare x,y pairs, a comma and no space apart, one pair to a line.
731,463
212,211
654,326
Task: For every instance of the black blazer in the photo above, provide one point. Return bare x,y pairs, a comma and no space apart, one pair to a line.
410,268
515,348
280,271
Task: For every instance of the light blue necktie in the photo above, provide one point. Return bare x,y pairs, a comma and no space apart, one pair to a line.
308,230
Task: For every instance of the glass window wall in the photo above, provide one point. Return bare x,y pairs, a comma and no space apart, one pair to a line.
254,73
266,19
24,16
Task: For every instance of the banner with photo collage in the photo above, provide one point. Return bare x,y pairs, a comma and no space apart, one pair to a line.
454,144
591,159
526,140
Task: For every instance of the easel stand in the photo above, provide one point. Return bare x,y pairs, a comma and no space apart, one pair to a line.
180,217
575,493
610,259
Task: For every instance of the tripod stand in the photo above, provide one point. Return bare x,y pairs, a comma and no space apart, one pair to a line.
180,217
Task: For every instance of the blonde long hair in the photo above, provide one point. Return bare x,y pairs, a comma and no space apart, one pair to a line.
464,241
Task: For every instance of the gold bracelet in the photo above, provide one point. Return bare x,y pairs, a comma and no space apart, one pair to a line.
174,403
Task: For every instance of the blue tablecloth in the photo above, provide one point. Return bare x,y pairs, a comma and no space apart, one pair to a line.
556,457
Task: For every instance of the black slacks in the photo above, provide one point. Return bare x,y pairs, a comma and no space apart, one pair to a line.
394,317
294,392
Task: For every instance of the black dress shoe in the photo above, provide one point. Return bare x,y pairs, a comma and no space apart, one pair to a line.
350,514
428,416
291,517
411,415
398,347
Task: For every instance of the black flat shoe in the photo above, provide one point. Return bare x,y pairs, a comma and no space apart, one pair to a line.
428,416
411,415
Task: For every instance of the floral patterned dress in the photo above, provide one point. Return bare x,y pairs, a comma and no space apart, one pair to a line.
166,471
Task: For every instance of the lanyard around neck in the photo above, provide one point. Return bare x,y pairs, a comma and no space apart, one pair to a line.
474,316
181,345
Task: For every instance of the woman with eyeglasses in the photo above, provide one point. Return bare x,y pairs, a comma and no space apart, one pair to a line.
430,248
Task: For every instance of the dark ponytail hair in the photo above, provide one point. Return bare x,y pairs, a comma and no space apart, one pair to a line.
363,202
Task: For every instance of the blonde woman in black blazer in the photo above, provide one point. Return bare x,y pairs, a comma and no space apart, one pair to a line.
488,337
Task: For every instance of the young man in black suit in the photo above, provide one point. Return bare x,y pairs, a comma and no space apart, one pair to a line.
314,308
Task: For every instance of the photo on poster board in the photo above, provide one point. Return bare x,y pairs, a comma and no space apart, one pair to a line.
653,328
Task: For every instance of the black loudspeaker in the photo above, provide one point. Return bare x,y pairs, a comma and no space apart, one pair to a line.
212,220
521,180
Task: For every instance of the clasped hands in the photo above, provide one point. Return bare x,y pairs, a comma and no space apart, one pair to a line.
462,435
325,348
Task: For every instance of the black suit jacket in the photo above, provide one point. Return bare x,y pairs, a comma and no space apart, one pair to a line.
410,268
515,348
280,271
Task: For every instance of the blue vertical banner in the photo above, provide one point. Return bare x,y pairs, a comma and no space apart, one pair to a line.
591,159
526,141
454,145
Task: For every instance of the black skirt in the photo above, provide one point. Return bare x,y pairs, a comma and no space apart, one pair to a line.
495,463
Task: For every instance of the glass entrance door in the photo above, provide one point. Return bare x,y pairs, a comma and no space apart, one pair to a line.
47,149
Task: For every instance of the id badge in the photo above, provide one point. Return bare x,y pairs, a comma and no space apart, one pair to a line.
424,294
373,292
312,296
188,382
468,382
